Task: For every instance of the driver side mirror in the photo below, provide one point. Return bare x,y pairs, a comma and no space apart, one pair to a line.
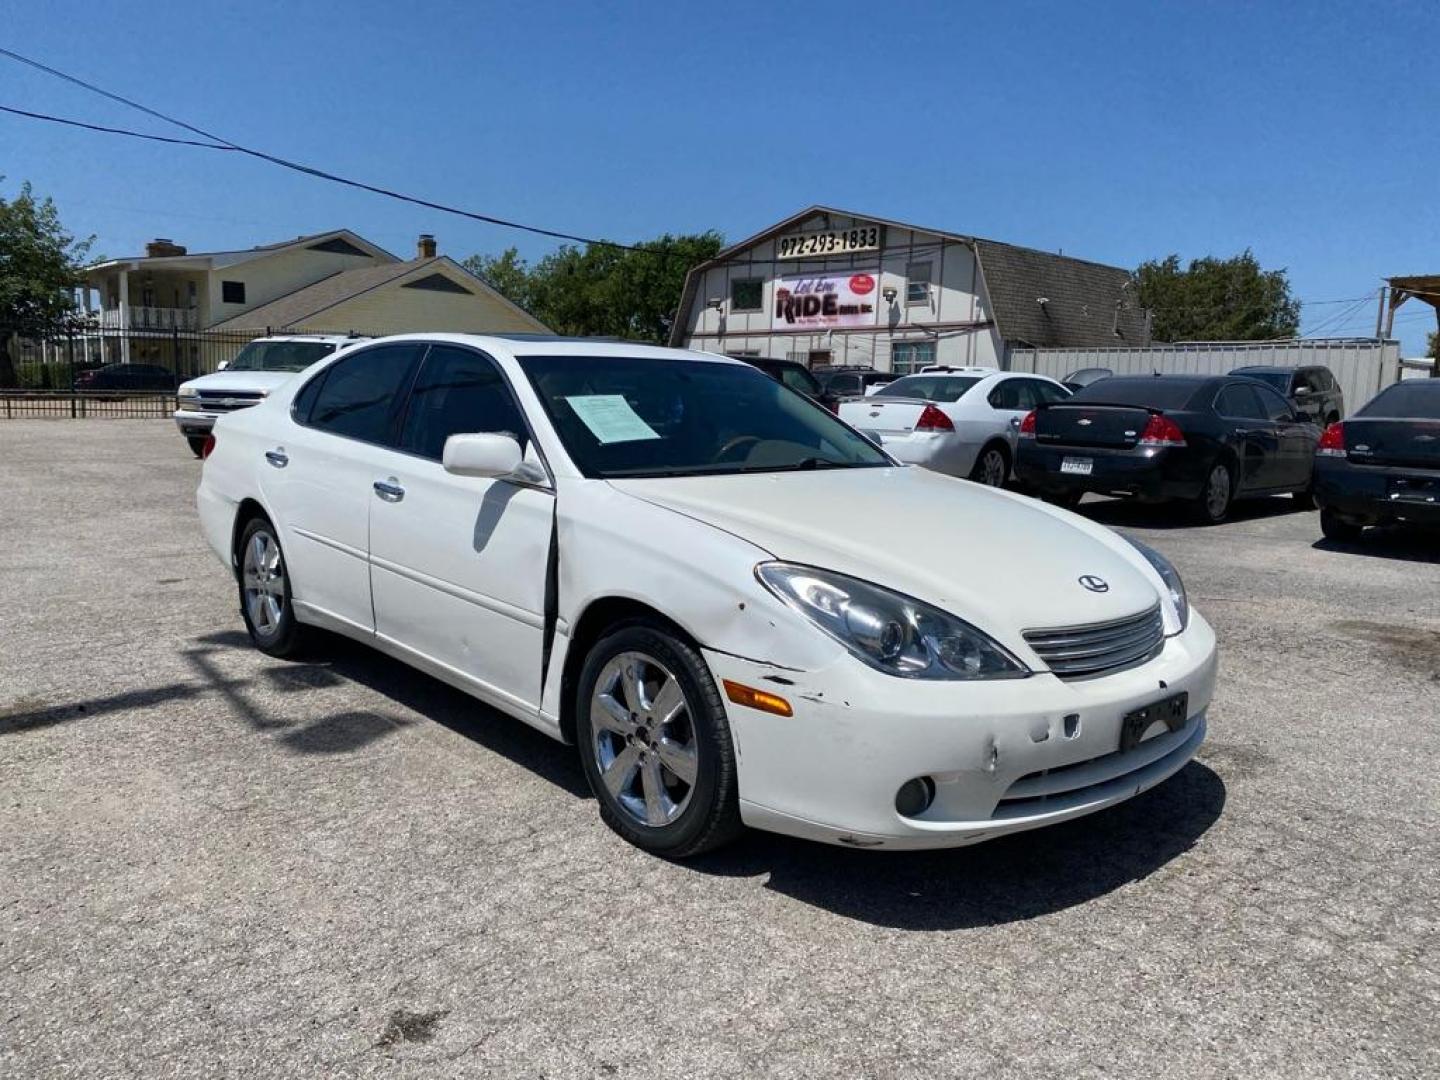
484,454
1302,391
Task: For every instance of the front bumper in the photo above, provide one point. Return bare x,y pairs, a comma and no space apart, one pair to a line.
192,422
1004,756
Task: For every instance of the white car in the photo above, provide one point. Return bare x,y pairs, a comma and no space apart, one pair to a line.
260,367
657,555
961,421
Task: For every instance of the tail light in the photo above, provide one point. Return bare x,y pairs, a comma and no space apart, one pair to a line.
932,419
1162,431
1027,426
207,447
1332,443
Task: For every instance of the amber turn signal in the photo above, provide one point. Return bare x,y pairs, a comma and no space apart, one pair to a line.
741,694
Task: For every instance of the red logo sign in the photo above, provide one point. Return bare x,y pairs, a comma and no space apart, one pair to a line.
860,284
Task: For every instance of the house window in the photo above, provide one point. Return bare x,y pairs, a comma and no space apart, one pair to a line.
910,356
747,294
917,284
232,292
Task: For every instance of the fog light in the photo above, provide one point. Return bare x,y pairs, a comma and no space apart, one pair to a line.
915,796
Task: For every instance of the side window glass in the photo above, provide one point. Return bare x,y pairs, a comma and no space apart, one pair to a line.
1239,402
1276,407
459,391
1005,395
1049,392
1027,394
305,399
362,394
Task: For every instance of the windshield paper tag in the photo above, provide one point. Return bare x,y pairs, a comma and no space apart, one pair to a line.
610,418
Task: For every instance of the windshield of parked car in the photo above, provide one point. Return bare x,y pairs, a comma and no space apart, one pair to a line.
1280,380
1416,399
1148,392
280,355
929,387
624,416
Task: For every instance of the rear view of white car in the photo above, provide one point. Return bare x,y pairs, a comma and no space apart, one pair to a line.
958,421
260,367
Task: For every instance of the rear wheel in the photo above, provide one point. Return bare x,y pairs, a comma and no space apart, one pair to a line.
265,602
1338,529
655,742
992,467
1213,505
197,444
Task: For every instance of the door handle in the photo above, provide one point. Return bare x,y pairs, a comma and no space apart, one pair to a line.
389,490
278,458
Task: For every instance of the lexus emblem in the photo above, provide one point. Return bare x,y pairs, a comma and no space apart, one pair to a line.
1093,583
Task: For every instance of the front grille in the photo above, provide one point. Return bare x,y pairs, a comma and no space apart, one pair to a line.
1082,652
228,401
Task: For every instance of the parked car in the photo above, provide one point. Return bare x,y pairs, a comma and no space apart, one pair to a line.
959,421
259,367
1078,380
127,378
1312,390
796,376
1382,465
1205,440
691,571
852,381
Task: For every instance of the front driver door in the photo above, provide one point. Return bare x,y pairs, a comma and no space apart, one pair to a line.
1296,437
458,563
1252,434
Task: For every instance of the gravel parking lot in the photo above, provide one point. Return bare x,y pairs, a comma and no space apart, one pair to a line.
215,863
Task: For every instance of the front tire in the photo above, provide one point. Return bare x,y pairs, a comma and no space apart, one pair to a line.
655,742
1217,495
264,582
992,467
1338,529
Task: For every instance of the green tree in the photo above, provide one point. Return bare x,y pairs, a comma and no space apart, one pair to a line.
1216,299
39,269
1432,344
602,290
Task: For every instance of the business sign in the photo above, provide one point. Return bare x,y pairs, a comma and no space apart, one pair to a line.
825,301
819,243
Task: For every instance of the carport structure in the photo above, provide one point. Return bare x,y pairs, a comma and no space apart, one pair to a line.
1424,287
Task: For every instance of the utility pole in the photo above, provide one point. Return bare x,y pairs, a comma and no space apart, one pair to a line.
1380,313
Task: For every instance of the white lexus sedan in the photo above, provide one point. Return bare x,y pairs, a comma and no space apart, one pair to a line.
739,609
961,421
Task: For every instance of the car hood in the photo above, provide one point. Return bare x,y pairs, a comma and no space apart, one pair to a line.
1002,561
240,380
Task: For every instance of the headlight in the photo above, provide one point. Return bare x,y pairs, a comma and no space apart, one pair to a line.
1170,576
891,632
186,392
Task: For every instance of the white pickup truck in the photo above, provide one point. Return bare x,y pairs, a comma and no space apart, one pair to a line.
260,367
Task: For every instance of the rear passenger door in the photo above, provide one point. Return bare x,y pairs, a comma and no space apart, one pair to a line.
1250,433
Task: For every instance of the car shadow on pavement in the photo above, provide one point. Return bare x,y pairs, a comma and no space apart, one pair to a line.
1005,880
1141,515
1390,542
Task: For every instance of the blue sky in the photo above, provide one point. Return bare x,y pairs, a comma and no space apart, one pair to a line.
1114,131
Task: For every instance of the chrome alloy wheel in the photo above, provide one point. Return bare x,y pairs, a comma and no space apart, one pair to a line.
1217,492
262,572
644,739
992,469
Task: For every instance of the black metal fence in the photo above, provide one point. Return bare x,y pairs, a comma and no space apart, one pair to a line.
82,404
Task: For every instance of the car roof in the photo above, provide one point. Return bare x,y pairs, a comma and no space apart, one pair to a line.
1250,369
557,345
312,337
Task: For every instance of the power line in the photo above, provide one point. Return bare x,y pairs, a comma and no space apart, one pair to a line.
113,130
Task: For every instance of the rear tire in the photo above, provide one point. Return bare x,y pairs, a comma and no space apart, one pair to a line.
197,444
264,584
992,466
1338,529
1216,496
655,745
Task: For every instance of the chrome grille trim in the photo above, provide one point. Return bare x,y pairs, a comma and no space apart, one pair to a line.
222,401
1082,652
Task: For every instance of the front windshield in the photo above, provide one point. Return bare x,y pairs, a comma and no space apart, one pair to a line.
929,387
630,416
280,355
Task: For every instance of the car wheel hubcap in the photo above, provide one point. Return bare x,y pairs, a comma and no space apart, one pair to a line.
263,572
1219,496
643,739
994,469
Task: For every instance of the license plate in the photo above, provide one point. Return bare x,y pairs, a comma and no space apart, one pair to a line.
1172,710
1077,466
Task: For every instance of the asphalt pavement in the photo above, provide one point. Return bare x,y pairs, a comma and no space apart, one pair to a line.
213,863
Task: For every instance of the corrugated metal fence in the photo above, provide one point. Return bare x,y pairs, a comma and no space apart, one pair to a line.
1362,368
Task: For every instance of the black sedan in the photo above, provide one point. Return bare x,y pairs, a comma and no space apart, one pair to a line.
134,378
1204,440
1382,465
796,376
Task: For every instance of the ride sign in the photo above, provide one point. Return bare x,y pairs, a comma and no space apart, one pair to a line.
825,301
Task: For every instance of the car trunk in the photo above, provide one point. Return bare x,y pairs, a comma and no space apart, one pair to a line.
1406,443
888,416
1115,426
